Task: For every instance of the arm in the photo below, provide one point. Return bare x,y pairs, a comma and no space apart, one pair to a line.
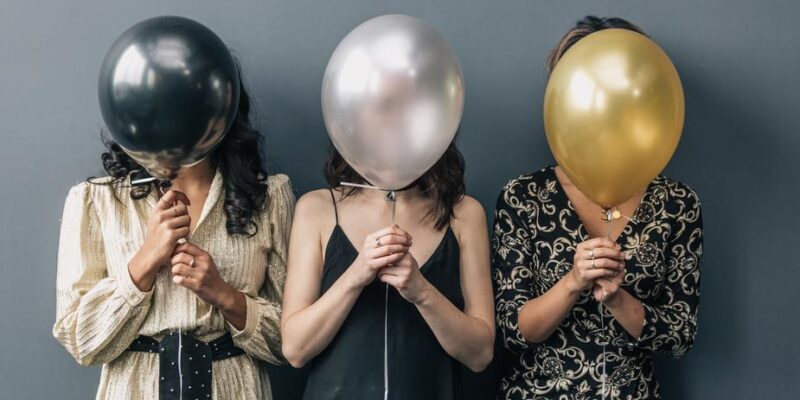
311,321
252,318
511,262
98,316
467,336
257,329
669,322
526,318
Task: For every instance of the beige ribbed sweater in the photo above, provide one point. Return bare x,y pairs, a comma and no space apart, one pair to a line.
100,311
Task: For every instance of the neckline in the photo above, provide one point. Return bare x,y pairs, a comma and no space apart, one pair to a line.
629,225
214,193
422,267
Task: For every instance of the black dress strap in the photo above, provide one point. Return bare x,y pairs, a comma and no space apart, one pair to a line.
335,210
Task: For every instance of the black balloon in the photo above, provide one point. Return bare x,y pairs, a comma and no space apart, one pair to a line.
169,90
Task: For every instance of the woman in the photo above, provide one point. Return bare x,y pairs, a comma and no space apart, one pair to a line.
130,297
435,261
554,264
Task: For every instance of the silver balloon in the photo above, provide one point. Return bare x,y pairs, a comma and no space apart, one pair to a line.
392,99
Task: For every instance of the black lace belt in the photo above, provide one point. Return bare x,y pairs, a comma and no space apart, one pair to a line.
186,375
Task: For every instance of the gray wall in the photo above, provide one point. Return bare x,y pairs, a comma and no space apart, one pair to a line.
738,60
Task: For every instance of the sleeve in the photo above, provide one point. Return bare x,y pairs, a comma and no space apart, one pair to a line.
97,316
511,263
670,321
260,336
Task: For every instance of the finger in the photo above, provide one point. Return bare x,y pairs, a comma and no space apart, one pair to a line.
600,263
381,262
180,209
179,222
393,270
391,230
180,233
392,280
381,232
599,242
386,250
187,282
171,197
603,252
393,239
190,249
400,231
184,270
182,258
598,273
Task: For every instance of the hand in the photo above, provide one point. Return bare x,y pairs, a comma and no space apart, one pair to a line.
605,289
406,278
381,248
595,259
168,222
195,270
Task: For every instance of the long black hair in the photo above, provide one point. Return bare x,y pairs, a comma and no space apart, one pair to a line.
444,182
238,158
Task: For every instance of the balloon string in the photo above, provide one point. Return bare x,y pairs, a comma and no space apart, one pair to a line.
608,218
358,185
392,197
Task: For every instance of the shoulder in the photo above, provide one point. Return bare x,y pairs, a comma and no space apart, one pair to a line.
94,190
315,204
279,183
468,216
671,190
529,186
280,194
469,207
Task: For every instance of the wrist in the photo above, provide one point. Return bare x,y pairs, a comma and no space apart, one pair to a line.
425,295
571,284
616,300
351,280
225,300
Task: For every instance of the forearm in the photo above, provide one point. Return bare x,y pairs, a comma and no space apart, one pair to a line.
307,332
143,271
540,316
469,339
233,306
96,327
627,311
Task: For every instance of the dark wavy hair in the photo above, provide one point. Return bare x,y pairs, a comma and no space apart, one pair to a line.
584,27
238,157
444,182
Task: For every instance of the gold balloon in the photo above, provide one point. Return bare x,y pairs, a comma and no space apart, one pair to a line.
613,114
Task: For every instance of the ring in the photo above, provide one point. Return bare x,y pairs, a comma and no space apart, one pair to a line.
377,242
591,254
593,267
191,262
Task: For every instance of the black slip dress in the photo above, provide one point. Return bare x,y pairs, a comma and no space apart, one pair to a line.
352,366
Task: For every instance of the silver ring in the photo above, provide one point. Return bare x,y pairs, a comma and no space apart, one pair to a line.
591,254
377,242
191,262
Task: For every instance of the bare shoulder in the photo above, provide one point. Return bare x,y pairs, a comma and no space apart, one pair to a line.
315,204
469,215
